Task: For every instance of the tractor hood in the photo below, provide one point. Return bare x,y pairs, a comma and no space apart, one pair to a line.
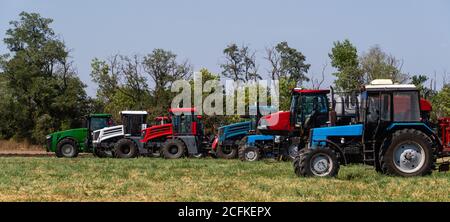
78,132
235,130
275,123
70,131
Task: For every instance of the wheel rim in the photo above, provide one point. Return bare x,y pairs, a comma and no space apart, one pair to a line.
409,157
173,149
67,150
250,155
321,164
293,151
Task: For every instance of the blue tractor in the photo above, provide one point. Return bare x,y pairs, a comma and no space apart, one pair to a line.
389,135
227,141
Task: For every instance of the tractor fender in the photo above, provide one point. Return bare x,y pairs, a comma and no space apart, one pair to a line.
332,145
417,126
70,138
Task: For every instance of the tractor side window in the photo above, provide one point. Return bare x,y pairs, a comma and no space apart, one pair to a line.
385,107
406,106
373,104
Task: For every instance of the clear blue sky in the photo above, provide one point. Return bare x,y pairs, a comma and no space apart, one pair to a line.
416,31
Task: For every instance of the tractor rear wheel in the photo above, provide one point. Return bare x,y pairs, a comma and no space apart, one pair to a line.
321,162
173,149
125,148
67,148
227,152
409,153
249,154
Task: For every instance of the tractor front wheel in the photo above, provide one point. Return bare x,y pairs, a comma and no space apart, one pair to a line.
320,162
125,148
173,149
249,154
409,153
67,148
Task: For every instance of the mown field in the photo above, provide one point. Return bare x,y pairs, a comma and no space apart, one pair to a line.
154,179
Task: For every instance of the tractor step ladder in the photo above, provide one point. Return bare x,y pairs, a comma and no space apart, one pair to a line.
369,152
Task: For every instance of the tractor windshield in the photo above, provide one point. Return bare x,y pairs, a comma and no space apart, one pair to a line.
313,102
100,123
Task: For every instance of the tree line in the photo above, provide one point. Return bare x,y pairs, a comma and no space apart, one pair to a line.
40,91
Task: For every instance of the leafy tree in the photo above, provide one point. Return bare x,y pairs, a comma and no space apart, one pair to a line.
121,84
40,81
441,103
376,64
285,87
240,64
163,68
419,81
344,57
292,64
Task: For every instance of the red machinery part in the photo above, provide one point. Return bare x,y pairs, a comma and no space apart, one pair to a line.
444,124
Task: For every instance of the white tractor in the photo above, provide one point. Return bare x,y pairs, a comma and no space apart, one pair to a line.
104,140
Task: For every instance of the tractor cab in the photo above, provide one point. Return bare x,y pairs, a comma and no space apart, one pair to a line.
95,122
98,121
134,122
309,108
384,103
185,122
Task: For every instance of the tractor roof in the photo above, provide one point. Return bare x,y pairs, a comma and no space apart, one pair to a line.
182,110
100,115
128,112
388,85
311,91
159,118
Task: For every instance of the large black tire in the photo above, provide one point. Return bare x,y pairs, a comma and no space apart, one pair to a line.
173,149
291,152
125,148
67,148
303,163
408,140
249,154
227,152
101,153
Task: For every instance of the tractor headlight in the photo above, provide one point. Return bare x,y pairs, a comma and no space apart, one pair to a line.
277,139
48,137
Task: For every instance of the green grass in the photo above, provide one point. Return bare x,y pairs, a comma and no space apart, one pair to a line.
154,179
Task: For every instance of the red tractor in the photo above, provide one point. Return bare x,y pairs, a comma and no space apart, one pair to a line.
182,136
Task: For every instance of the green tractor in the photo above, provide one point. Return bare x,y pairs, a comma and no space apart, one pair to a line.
70,142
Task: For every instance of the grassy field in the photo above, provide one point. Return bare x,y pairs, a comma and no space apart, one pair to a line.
154,179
